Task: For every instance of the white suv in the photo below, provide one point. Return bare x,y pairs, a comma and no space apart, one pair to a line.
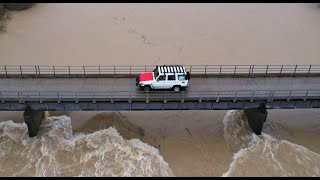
164,77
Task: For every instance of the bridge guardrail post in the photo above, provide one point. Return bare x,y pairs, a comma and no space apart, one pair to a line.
269,96
289,97
267,71
20,71
218,98
200,98
147,99
2,101
165,97
182,100
35,67
295,70
205,70
5,68
235,69
69,71
129,101
270,99
20,98
111,97
252,70
252,96
54,71
235,97
306,96
220,71
76,97
309,70
94,98
40,99
99,71
281,71
249,73
58,98
84,71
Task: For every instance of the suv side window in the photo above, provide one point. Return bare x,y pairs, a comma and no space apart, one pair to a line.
171,77
162,78
182,77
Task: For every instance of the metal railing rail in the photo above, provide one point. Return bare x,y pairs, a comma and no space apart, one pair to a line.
206,70
164,96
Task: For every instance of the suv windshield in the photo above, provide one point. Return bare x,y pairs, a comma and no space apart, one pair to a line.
156,73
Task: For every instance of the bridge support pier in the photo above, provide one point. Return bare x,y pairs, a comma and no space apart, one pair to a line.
33,120
256,118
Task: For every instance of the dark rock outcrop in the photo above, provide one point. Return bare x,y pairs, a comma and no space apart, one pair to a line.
256,118
33,120
17,6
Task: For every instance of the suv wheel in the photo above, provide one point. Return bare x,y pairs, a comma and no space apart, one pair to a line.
176,88
147,88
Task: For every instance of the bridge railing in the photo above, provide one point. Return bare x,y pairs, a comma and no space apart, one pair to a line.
165,96
206,70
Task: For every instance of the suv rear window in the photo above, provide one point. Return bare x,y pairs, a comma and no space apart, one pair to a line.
182,77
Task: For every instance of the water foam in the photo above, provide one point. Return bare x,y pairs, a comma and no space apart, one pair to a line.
266,156
56,151
236,130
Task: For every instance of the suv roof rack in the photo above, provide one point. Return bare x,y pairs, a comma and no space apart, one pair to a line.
171,69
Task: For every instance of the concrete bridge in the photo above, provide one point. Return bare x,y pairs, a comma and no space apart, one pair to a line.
211,88
122,94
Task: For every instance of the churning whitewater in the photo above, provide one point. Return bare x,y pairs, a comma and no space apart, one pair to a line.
264,155
56,151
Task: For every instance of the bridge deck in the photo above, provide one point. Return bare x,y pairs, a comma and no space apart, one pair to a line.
128,84
213,93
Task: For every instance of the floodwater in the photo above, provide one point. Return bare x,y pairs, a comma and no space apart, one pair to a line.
175,143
